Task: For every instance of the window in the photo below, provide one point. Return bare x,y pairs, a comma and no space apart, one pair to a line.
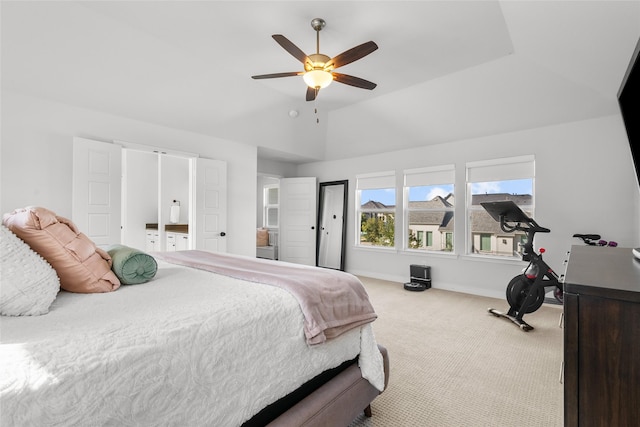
428,208
498,180
448,237
375,215
271,203
485,242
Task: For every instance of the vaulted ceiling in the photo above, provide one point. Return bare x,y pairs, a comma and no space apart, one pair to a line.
446,70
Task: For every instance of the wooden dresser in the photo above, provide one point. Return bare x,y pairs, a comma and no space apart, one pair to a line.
602,338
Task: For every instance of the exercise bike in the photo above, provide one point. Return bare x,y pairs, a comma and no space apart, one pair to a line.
525,292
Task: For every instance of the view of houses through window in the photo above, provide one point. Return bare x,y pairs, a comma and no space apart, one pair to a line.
507,179
428,208
487,238
429,205
430,220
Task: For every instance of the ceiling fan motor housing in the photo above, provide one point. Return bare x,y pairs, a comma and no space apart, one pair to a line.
317,61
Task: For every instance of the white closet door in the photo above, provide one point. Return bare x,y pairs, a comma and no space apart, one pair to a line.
210,201
298,201
96,197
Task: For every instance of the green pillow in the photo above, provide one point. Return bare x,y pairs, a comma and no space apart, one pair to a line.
132,266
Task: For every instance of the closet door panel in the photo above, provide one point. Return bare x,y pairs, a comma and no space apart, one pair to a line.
298,210
96,191
210,202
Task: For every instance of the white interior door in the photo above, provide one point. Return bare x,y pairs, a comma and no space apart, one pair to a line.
298,220
96,193
210,201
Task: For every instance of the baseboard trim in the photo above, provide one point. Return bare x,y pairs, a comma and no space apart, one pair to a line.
444,286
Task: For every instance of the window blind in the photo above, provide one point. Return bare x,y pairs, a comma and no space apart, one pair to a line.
429,176
377,180
521,167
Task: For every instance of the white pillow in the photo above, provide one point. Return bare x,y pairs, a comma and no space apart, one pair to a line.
28,284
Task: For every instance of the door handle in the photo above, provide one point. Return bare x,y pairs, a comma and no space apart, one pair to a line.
222,234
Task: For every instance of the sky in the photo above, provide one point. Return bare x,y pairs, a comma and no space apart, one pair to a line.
387,196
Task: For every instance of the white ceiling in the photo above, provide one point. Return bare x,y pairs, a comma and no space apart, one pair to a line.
446,70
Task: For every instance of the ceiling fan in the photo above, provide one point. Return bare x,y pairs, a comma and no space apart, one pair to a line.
318,68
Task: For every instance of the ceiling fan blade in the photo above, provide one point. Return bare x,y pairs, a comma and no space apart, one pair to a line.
354,81
290,47
312,93
353,54
275,75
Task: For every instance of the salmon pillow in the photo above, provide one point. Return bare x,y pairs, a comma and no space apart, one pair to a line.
81,266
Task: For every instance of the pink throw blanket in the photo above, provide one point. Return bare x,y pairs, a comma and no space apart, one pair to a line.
332,301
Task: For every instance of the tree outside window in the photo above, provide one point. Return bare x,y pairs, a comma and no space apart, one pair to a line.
377,220
376,209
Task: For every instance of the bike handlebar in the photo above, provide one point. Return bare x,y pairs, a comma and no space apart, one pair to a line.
531,226
587,237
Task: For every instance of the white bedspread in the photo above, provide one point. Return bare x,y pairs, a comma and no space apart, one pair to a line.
188,348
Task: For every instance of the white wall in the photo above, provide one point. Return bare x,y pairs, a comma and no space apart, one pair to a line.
140,196
584,184
174,185
276,168
36,158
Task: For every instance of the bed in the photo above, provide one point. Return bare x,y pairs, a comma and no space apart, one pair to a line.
190,347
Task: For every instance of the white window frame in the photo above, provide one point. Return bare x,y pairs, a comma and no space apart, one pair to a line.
426,176
374,181
495,170
266,206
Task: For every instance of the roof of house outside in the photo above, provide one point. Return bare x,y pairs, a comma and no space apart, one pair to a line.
519,199
481,221
372,204
433,217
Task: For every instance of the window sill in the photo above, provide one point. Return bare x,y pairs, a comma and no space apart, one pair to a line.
436,254
491,258
375,248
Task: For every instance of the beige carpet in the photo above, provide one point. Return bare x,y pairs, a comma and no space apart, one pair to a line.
454,364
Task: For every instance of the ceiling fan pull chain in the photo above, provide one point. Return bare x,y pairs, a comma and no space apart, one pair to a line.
315,107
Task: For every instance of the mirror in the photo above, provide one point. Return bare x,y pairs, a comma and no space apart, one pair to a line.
332,227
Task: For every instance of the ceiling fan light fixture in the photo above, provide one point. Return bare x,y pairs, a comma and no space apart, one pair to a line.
317,78
319,68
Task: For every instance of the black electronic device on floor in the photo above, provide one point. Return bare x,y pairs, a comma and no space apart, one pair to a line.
420,278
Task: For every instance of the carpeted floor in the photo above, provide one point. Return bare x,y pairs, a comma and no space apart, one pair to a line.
454,364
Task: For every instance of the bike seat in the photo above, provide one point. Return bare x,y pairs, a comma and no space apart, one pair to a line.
587,236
